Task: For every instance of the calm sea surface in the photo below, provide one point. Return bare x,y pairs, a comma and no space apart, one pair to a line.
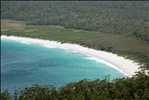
24,64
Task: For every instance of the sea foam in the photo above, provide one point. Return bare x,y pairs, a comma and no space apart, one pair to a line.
105,62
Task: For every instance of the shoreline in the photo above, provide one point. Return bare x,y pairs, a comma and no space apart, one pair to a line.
125,66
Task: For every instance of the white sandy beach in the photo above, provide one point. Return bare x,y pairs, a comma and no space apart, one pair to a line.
126,66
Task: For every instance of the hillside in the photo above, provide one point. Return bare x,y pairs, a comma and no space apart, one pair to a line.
114,17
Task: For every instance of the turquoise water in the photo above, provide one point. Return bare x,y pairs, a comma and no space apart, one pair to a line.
27,64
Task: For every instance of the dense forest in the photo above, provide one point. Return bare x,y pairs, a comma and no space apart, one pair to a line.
135,88
115,17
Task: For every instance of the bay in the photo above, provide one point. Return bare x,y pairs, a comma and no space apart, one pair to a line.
25,64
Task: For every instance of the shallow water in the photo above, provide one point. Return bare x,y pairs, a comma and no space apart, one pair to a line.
24,64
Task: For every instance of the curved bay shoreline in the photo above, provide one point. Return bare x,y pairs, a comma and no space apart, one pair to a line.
125,66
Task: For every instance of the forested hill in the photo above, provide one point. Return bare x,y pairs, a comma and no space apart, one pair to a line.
116,17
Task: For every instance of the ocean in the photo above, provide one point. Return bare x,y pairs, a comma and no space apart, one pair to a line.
24,64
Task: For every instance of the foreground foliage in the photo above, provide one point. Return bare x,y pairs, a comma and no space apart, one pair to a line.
135,88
